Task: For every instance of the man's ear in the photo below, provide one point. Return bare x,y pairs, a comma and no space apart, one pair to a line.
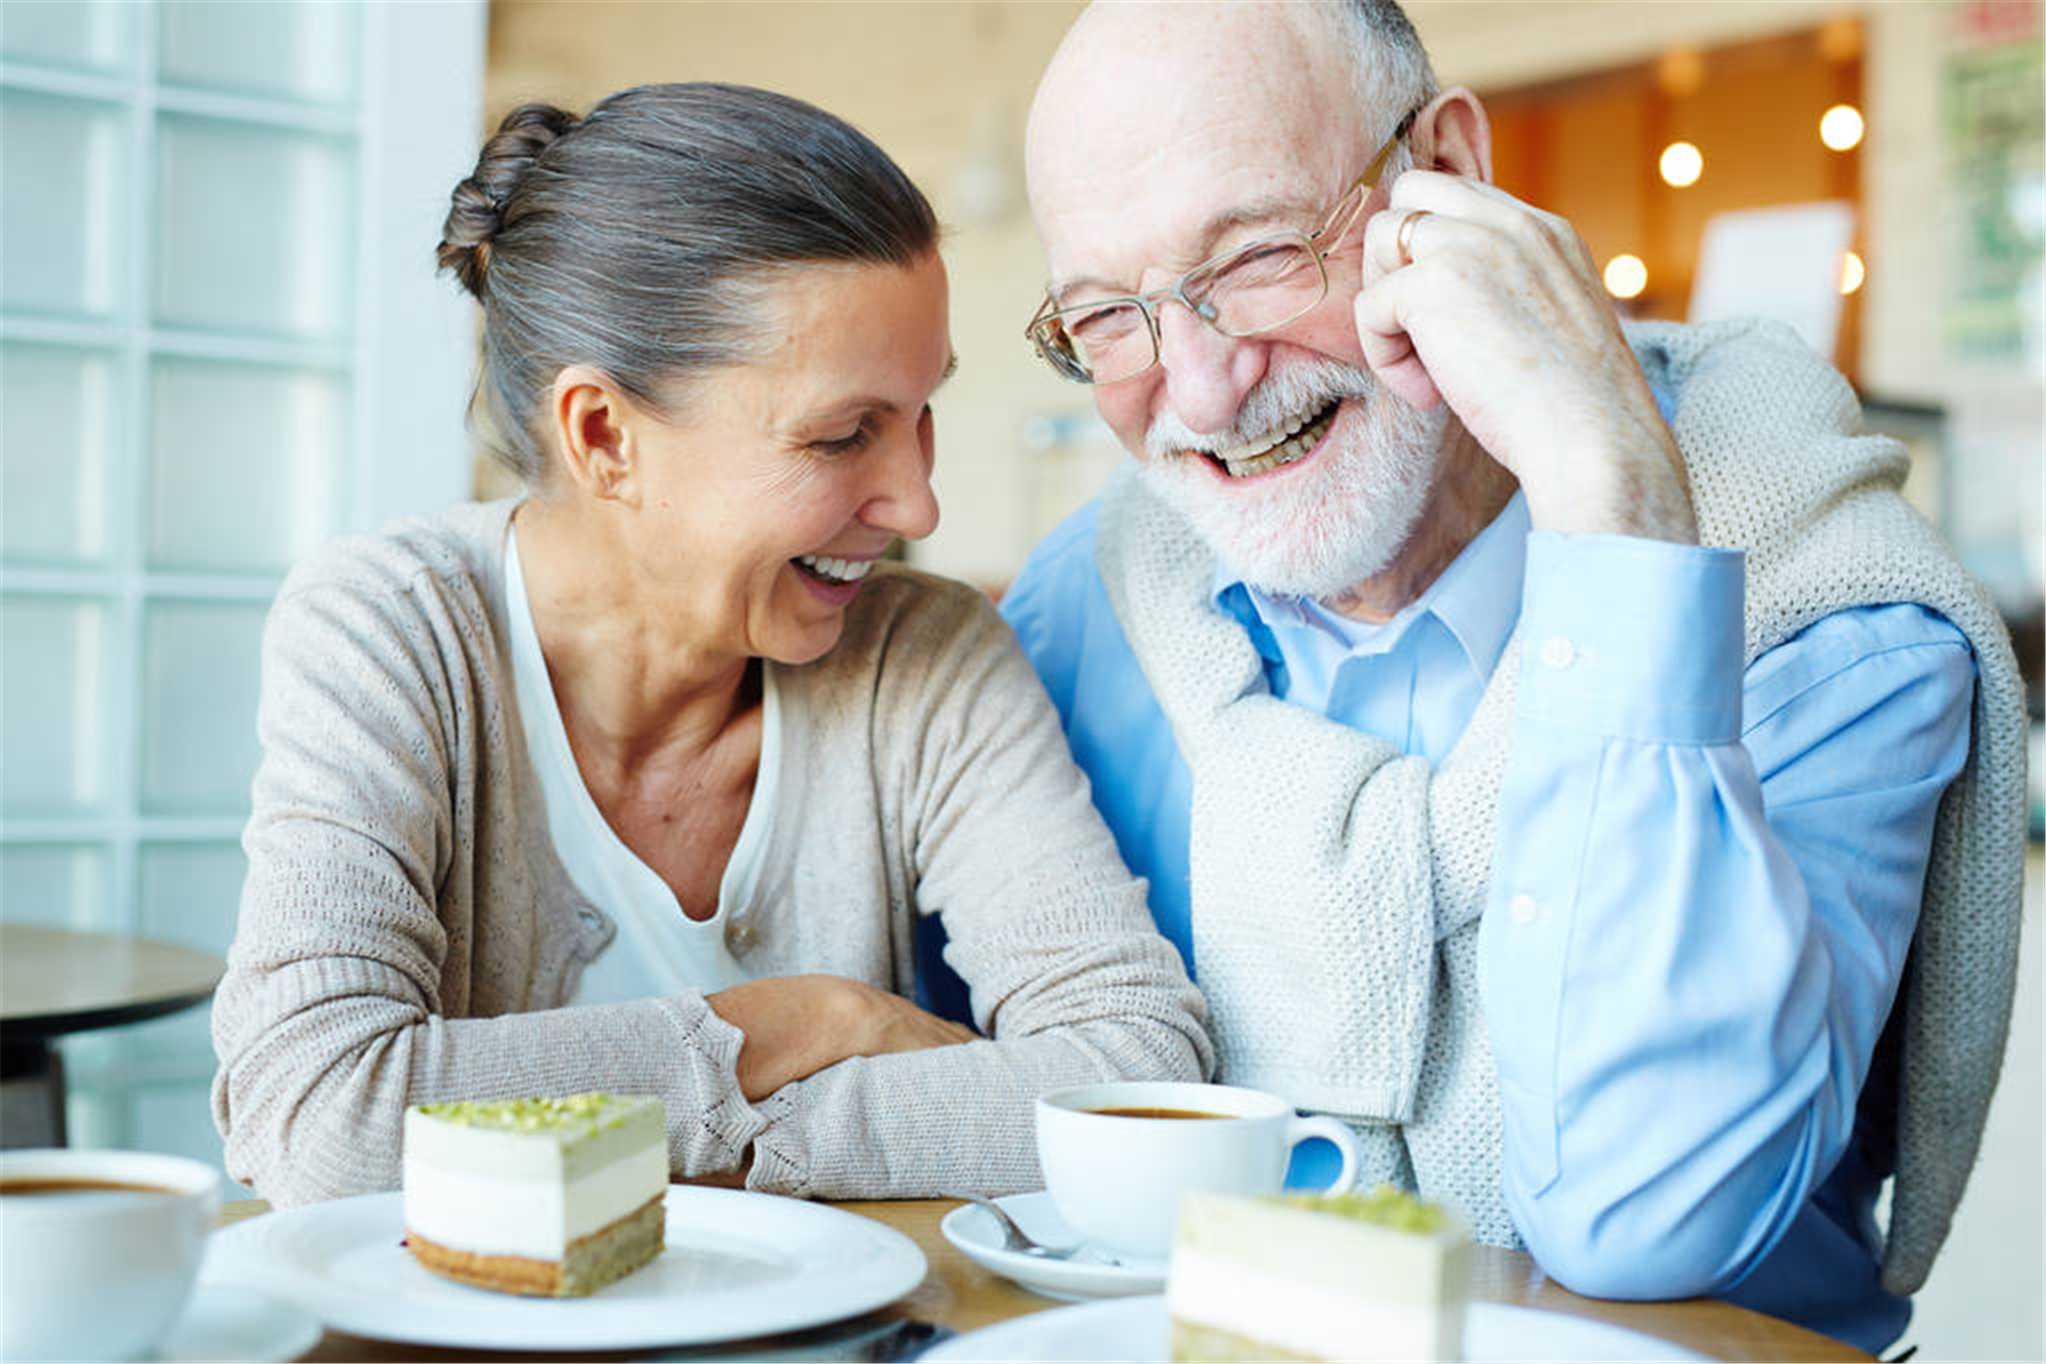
1451,133
593,428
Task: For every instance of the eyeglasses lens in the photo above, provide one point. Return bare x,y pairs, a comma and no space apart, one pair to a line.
1265,285
1098,344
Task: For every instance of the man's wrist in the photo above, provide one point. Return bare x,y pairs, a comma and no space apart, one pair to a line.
1637,497
1624,476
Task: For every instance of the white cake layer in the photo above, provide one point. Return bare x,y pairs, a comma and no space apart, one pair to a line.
491,1215
1373,1322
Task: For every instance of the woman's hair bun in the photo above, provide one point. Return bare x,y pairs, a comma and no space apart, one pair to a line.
476,208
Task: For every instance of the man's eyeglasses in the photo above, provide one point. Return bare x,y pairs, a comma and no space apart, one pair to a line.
1253,288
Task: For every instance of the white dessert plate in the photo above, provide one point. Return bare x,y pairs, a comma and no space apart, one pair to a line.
1090,1273
737,1264
1136,1331
233,1324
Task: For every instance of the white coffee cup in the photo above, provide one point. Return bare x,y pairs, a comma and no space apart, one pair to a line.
101,1272
1117,1180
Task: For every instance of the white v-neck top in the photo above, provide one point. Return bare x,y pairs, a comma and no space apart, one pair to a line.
659,950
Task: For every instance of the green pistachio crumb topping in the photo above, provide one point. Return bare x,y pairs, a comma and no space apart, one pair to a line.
1385,1206
533,1115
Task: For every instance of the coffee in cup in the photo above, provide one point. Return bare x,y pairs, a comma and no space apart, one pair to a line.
101,1249
1117,1156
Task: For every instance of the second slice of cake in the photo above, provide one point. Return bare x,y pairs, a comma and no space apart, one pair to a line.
550,1197
1298,1277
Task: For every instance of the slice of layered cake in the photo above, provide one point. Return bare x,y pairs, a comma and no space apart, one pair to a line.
551,1197
1300,1277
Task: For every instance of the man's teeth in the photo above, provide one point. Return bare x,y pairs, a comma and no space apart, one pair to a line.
836,570
1290,445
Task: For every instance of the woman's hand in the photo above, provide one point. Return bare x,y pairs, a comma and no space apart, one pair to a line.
797,1025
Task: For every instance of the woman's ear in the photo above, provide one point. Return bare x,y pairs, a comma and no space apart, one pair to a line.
594,431
1451,133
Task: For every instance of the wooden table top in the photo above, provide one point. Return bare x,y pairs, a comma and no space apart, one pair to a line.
59,980
961,1296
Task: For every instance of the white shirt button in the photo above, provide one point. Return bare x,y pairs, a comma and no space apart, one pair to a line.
1524,909
1558,652
739,934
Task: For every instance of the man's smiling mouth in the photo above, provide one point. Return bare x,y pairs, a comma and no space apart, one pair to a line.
1276,448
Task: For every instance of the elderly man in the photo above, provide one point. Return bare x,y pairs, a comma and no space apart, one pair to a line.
1546,741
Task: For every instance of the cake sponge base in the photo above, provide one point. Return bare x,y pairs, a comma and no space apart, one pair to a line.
604,1256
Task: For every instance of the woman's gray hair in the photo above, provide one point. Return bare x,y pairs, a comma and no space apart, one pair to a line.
1391,66
634,240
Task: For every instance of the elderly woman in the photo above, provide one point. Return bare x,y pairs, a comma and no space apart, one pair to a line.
642,782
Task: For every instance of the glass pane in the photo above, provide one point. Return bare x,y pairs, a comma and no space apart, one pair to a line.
53,667
86,33
58,885
56,439
272,47
254,229
244,464
178,1119
59,163
94,1118
181,1043
189,892
199,662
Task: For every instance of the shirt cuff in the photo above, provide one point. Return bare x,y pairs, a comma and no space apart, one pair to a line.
1633,638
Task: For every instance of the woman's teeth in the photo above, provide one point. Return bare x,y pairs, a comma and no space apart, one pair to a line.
836,570
1295,442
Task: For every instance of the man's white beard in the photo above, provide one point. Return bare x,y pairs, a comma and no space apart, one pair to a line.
1320,530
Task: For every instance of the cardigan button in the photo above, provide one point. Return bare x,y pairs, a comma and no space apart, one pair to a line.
739,935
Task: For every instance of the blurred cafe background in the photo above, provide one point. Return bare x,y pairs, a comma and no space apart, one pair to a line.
221,341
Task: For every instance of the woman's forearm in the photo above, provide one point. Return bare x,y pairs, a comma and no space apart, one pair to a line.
796,1026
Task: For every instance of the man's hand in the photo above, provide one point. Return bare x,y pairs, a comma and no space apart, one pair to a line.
797,1025
1501,315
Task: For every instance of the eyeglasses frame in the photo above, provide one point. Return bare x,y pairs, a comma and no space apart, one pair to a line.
1147,303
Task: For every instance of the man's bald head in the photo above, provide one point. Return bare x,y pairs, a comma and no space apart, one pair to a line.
1137,87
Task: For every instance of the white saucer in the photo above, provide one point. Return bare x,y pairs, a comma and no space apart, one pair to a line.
1089,1274
236,1324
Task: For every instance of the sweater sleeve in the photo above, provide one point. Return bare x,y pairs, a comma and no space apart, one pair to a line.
369,932
1070,982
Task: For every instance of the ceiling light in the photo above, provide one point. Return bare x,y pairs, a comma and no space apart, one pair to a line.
1682,164
1840,127
1625,276
1852,272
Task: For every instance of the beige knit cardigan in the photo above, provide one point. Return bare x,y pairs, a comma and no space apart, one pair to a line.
407,933
1337,885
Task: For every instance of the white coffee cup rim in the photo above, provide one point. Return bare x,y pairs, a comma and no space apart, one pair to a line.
1226,1101
180,1176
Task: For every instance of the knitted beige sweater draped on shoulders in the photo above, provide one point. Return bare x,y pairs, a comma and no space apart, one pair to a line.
408,934
1337,941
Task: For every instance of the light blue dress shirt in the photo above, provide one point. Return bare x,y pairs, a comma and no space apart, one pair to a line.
1705,881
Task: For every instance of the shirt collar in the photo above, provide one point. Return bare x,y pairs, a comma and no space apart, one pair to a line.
1477,598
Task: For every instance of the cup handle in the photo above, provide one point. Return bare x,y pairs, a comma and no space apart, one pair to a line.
1301,1129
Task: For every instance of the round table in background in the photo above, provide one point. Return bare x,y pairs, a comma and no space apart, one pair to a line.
55,981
